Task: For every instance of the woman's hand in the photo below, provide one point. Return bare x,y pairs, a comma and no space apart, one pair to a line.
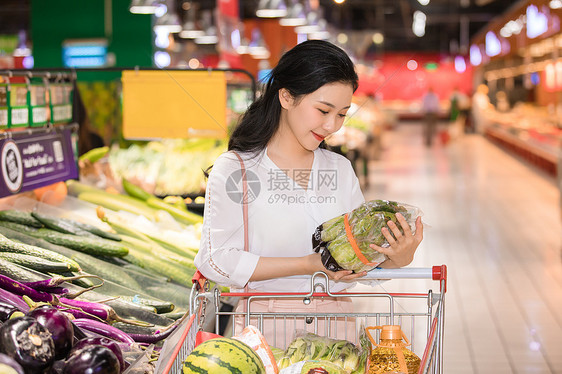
402,246
315,264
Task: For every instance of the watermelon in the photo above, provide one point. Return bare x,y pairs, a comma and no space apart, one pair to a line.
223,356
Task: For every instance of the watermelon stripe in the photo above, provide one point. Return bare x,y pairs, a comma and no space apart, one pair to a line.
194,368
249,351
219,362
232,356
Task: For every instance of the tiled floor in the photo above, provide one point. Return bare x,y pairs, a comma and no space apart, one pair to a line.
496,223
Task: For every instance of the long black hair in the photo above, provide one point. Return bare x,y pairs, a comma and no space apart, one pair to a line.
301,71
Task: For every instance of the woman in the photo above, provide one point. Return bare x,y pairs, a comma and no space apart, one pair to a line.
294,185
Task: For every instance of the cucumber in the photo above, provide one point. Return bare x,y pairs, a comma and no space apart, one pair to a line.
7,245
174,315
23,218
92,246
97,231
95,154
61,225
18,227
160,306
83,282
135,191
119,202
107,271
180,215
35,263
18,273
75,188
173,272
158,251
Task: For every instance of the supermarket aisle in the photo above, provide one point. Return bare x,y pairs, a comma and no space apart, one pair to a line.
495,223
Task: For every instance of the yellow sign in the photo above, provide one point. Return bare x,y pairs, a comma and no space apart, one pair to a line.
174,104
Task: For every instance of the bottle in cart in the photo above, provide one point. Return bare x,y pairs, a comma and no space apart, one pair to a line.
390,355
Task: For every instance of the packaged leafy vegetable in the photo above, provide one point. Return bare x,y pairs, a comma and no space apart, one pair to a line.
313,367
344,241
310,351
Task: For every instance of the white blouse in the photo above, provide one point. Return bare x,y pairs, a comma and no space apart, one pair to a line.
282,216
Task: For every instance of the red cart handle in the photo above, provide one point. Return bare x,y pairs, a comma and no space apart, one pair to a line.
439,273
199,279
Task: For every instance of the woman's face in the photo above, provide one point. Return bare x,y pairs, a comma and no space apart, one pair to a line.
316,115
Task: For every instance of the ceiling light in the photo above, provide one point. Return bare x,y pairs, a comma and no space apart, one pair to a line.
418,24
423,2
460,64
475,55
555,4
144,6
190,29
271,9
295,15
169,22
313,23
161,9
378,38
210,36
162,38
162,59
339,1
257,47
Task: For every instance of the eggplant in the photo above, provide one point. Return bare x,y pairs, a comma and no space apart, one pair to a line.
6,311
103,329
28,342
92,359
60,327
9,366
106,342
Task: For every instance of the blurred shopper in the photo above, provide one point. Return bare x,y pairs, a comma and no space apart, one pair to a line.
459,112
502,103
430,108
480,106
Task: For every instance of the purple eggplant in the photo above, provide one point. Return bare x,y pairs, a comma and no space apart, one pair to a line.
92,359
96,310
106,342
28,342
6,311
102,328
13,299
58,325
9,366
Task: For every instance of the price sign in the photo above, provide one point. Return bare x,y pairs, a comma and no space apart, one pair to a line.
40,159
19,111
3,106
61,103
174,104
38,105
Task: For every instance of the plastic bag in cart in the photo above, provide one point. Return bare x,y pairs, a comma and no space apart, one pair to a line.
308,346
343,241
306,367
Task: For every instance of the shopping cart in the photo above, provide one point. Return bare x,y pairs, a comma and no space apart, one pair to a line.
426,321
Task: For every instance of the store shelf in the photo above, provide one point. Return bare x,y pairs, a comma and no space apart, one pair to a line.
538,152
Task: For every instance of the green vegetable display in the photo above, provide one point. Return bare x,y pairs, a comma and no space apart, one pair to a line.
366,222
